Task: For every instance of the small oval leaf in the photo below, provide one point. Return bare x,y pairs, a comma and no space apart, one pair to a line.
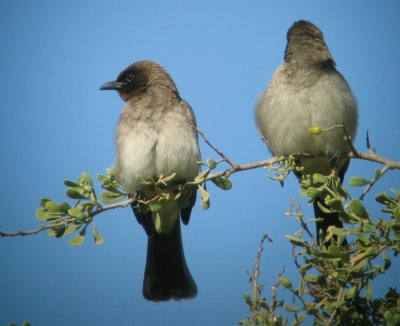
78,239
358,182
211,164
98,239
285,282
111,197
358,208
51,206
76,212
75,193
222,182
205,197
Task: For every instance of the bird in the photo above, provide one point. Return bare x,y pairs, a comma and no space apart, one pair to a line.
155,137
305,91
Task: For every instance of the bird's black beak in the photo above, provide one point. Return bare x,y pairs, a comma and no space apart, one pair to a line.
114,85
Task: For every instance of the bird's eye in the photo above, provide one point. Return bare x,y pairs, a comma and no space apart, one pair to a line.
129,77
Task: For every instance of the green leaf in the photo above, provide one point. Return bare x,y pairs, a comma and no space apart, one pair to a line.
389,317
319,178
357,208
51,206
54,232
43,201
70,229
309,278
358,182
285,282
387,261
211,164
64,207
111,197
98,239
155,206
396,214
335,251
359,266
26,323
312,193
42,214
78,239
222,182
75,193
76,212
300,318
351,293
248,300
101,177
291,308
339,231
336,205
296,241
303,269
383,198
70,183
86,178
157,222
329,256
205,197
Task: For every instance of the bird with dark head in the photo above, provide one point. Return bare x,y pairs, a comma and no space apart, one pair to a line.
307,91
154,138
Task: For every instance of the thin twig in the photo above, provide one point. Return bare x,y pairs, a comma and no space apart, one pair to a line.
295,204
224,157
372,183
243,167
65,221
254,277
37,230
369,146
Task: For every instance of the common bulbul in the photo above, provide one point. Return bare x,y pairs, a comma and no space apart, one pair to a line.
304,92
154,138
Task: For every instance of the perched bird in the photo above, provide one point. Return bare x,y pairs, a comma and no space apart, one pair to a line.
307,91
155,137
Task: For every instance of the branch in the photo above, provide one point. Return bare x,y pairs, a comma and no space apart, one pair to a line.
375,158
234,168
66,221
244,167
254,277
225,158
37,230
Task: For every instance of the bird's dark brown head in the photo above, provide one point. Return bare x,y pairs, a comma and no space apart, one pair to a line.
139,77
306,44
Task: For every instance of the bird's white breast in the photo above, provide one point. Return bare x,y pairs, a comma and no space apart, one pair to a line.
289,108
154,144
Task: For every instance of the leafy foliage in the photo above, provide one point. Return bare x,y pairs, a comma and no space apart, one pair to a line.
336,276
65,219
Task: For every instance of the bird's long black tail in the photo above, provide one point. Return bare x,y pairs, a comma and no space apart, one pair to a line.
166,275
328,219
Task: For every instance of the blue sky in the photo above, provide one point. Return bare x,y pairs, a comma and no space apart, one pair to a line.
57,124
